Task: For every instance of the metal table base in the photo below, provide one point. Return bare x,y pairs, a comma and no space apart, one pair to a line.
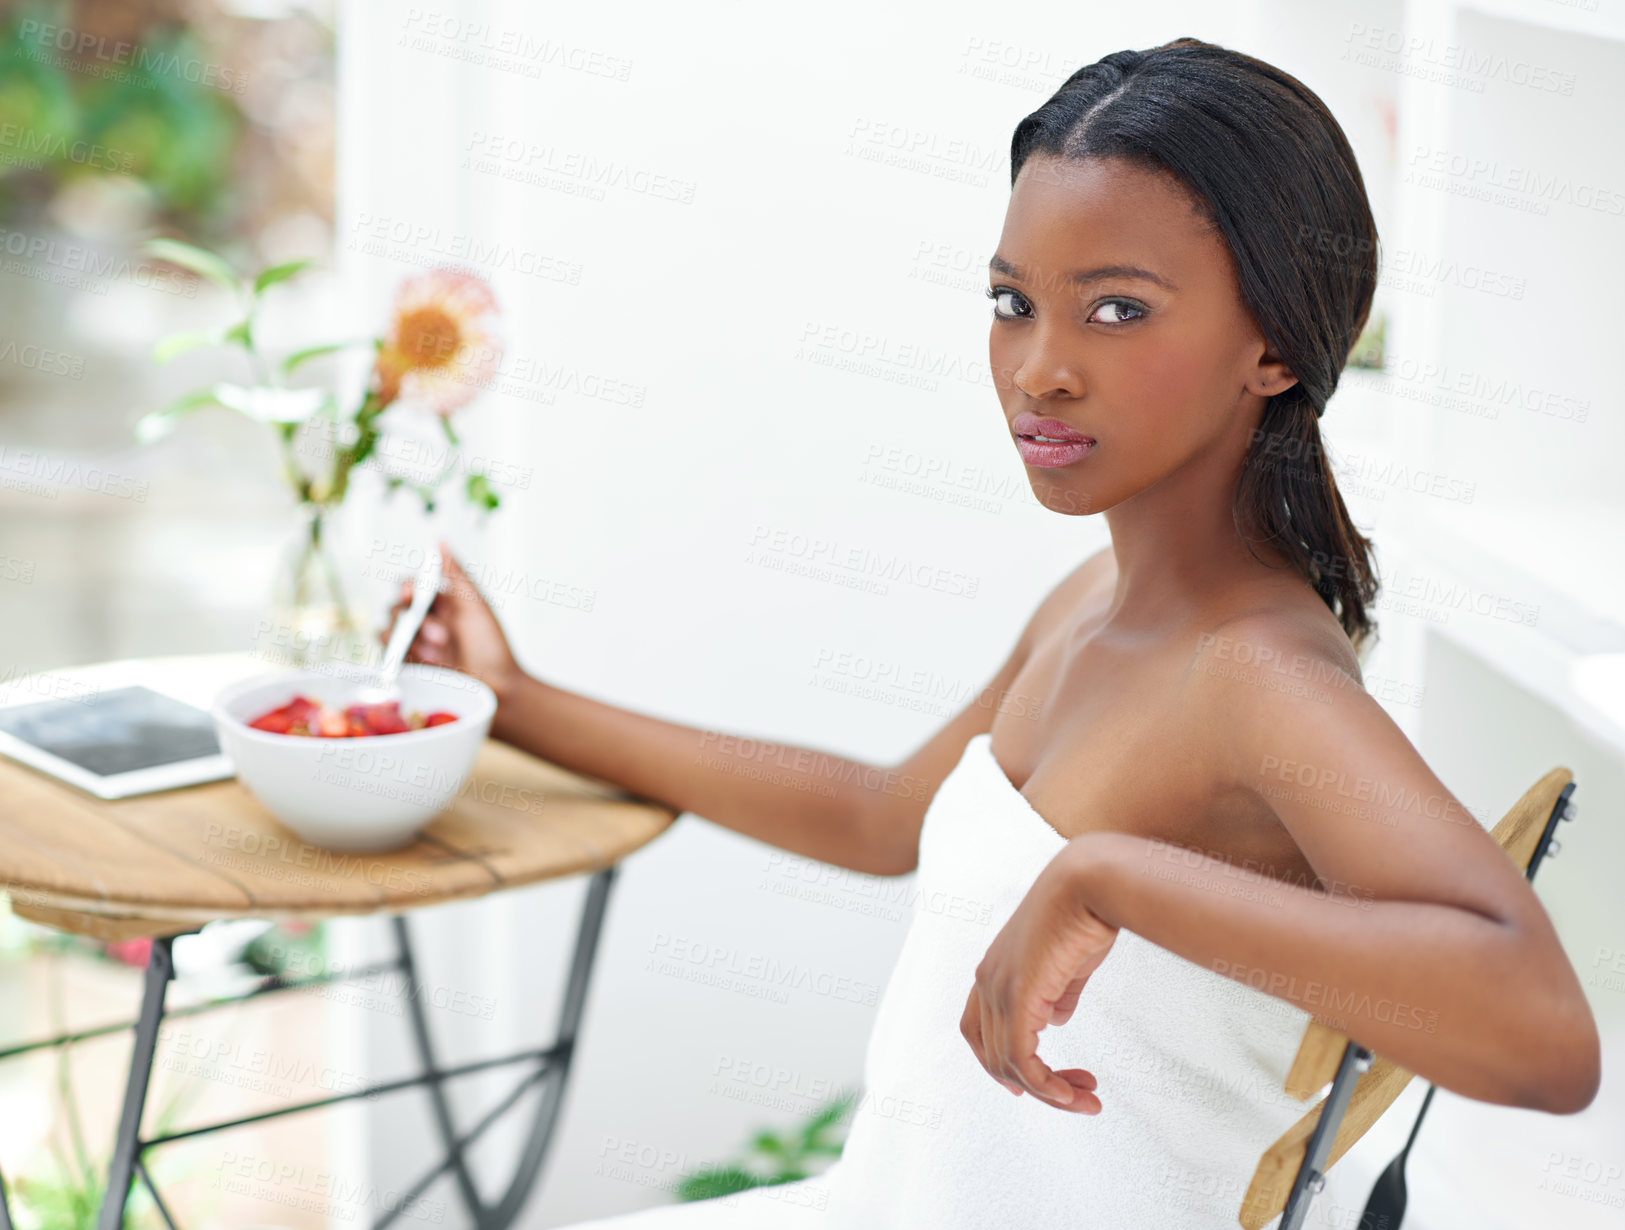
548,1066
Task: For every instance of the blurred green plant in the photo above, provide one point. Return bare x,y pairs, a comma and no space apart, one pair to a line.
1368,349
440,348
288,951
69,1197
148,116
771,1158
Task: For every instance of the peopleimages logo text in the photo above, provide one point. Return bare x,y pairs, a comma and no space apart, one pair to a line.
86,45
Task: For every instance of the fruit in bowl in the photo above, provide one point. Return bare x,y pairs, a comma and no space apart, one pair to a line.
348,775
304,716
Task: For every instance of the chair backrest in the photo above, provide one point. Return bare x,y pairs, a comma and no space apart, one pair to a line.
1321,1050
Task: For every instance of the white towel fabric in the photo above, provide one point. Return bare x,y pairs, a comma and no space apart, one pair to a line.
1189,1065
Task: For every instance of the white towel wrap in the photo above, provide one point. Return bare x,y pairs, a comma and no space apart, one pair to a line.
1189,1064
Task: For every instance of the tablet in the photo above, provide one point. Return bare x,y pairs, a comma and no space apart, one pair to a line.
116,742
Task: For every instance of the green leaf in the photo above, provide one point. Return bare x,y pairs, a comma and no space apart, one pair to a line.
279,273
768,1143
159,423
179,343
242,333
199,260
787,1156
480,493
300,357
716,1181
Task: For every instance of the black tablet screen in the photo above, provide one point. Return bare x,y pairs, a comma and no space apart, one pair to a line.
115,731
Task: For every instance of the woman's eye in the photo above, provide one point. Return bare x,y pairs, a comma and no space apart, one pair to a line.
1010,305
1007,304
1119,306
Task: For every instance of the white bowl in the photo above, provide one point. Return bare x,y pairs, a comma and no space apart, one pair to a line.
372,792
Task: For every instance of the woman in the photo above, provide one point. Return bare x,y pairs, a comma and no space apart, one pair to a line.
1212,831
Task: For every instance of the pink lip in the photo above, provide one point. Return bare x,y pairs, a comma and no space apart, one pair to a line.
1074,444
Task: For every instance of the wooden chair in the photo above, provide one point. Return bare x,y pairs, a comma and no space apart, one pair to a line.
1364,1085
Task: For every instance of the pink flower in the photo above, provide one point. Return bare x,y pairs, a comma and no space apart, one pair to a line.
442,346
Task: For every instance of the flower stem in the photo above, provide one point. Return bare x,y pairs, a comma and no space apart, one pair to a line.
335,585
297,478
345,460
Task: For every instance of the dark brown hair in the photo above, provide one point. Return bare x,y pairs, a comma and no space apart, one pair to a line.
1267,167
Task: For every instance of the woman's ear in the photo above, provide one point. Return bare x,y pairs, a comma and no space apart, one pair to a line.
1271,376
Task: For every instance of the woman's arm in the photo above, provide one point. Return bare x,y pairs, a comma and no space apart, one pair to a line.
812,803
1485,1006
863,817
1423,941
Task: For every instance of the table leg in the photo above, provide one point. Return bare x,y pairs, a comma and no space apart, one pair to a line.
431,1074
127,1143
534,1151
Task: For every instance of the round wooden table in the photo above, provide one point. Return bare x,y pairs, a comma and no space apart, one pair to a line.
164,864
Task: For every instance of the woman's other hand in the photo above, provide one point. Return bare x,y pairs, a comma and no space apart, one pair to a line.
1031,977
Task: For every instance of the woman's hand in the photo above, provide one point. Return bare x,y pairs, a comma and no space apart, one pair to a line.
459,630
1031,977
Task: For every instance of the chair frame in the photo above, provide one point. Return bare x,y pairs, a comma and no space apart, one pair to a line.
1364,1085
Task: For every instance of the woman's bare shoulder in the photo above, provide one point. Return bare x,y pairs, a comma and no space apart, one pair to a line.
1061,603
1294,639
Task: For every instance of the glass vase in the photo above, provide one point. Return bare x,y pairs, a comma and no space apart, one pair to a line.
314,617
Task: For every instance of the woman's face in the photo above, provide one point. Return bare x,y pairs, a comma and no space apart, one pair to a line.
1117,317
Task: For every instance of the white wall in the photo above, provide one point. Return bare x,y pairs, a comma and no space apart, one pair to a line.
709,313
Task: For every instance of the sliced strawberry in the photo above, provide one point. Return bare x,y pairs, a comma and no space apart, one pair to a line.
303,716
384,719
284,718
331,724
277,722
